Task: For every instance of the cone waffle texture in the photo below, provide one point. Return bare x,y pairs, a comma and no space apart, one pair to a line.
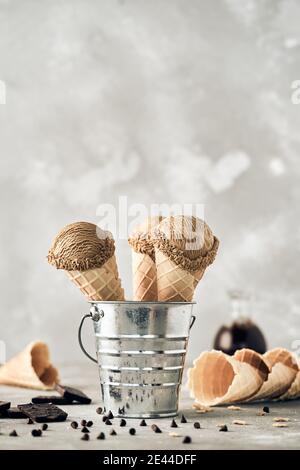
217,378
294,390
31,368
283,371
144,277
99,283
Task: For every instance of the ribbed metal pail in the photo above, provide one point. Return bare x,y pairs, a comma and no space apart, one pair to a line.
141,349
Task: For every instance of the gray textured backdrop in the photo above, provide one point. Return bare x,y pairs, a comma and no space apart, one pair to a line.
161,101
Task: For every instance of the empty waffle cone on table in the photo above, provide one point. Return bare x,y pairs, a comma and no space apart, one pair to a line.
184,247
294,391
31,368
87,255
143,260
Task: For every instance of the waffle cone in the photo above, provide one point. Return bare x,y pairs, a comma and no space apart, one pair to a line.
144,277
217,378
283,371
31,368
99,283
174,284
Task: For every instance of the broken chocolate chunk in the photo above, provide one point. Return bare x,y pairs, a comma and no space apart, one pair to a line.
14,413
72,394
54,399
43,413
4,406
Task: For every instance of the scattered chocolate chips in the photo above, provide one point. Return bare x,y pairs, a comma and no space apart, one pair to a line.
83,422
45,427
110,415
13,433
113,432
266,409
223,428
85,437
108,422
43,413
29,421
101,436
121,411
74,425
187,440
155,428
174,424
132,431
36,432
183,419
89,424
85,429
197,425
122,423
54,399
72,394
105,418
99,410
143,423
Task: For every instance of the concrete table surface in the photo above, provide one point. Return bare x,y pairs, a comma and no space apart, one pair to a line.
259,433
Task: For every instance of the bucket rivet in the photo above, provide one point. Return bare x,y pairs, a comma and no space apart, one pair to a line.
96,314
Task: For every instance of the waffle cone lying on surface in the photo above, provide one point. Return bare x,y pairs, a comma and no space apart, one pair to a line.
143,261
217,378
294,390
87,254
184,247
283,371
31,368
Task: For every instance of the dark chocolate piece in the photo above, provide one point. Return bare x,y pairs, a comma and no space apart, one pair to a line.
54,399
183,419
155,428
101,436
89,424
29,421
14,413
104,418
74,425
85,437
187,440
143,423
13,433
72,394
223,428
85,429
36,432
83,422
113,432
266,409
4,406
99,410
174,424
132,431
43,413
107,421
45,427
110,415
197,425
122,423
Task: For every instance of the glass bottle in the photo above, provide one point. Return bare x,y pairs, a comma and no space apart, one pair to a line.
242,332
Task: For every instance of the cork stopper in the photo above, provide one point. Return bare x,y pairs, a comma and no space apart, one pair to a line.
81,246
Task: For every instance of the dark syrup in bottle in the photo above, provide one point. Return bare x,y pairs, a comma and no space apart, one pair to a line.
242,332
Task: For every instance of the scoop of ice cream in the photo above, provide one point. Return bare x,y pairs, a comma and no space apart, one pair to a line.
186,240
140,239
81,246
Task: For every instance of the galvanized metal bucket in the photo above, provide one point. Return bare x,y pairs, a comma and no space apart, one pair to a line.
141,349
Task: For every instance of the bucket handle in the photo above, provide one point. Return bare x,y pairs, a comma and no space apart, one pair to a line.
94,315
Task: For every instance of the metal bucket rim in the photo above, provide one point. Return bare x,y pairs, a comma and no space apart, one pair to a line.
137,302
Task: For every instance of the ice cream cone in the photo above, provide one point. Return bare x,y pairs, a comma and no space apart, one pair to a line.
184,248
31,368
87,254
294,391
217,378
283,371
143,261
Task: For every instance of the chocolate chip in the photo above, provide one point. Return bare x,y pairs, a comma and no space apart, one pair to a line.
174,424
122,423
45,427
121,411
113,432
101,436
132,431
266,409
105,418
197,425
143,423
110,415
99,410
108,422
223,428
89,424
155,428
29,421
187,440
83,422
183,419
85,437
74,425
13,433
36,432
85,429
